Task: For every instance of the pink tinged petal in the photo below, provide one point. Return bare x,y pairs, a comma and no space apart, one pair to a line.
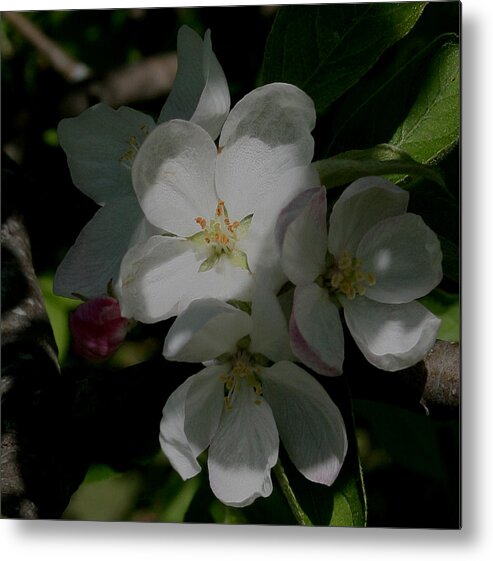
302,234
99,147
173,177
190,419
391,336
363,204
155,277
94,259
269,334
200,91
97,328
266,134
310,425
264,253
206,329
243,450
316,331
405,257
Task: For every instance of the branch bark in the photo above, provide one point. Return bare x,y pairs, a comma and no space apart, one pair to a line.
39,471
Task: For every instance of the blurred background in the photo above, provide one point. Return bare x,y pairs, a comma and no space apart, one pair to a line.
55,64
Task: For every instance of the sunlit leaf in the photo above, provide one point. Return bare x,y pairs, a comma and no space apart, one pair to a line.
431,129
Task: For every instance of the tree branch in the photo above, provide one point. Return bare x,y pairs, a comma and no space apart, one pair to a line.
39,469
72,70
432,386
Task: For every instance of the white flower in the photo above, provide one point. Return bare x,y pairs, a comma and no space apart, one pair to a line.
101,145
376,260
238,406
220,204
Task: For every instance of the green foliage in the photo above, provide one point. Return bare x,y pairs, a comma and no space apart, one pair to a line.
326,49
431,129
383,159
447,307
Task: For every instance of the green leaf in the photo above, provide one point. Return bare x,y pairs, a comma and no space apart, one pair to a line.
372,110
431,129
383,159
326,49
58,309
447,307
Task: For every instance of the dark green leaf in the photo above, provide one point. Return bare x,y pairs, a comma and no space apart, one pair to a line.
431,129
383,159
410,439
326,49
372,110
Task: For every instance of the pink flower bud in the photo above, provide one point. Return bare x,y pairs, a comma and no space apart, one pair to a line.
97,328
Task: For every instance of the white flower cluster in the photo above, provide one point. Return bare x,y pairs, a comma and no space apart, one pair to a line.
209,231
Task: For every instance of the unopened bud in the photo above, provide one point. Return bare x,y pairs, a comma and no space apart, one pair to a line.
98,328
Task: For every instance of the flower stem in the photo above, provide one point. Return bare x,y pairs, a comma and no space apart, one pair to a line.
300,516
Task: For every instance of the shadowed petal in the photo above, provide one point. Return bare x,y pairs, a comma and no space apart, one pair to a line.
243,450
94,259
200,91
310,424
391,336
101,144
190,419
316,331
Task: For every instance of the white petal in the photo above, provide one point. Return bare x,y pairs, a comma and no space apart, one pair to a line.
266,134
95,143
310,425
200,91
302,234
224,281
261,246
155,277
190,419
405,256
391,336
206,329
362,205
316,332
243,450
173,177
94,259
269,335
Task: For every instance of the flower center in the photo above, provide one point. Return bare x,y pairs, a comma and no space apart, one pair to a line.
244,369
347,277
220,236
220,233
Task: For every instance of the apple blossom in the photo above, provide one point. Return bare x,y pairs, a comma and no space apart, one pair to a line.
218,205
249,394
376,260
101,145
97,328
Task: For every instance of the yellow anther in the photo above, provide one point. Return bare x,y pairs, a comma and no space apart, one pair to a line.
345,261
347,277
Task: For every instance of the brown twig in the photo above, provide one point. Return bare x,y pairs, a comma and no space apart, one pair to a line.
72,70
